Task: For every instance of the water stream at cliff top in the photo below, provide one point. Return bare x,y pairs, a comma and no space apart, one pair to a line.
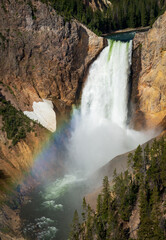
98,132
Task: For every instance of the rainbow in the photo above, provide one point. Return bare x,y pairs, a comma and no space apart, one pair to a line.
51,158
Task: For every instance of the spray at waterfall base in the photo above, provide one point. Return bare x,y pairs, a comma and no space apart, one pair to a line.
97,132
100,131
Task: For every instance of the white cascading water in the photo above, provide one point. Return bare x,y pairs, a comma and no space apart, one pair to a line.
100,131
105,95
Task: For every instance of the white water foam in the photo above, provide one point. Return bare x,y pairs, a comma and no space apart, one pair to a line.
52,205
48,234
58,188
42,229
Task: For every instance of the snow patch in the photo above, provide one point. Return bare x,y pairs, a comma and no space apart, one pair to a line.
44,114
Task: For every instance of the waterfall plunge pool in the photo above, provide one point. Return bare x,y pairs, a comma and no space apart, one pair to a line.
49,212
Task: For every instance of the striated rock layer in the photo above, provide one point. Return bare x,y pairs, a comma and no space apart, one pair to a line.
149,76
42,56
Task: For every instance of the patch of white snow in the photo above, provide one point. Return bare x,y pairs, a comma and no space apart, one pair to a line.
44,114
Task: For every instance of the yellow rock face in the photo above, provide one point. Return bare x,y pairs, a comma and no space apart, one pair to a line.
15,160
149,81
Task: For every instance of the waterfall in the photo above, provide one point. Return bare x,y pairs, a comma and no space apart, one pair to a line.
105,94
99,126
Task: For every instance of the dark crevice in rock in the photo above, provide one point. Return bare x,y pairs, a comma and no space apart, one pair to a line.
136,115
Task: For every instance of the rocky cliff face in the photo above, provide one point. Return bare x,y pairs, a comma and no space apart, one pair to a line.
42,56
97,4
149,76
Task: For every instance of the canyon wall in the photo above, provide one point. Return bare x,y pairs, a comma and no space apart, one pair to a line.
149,76
42,56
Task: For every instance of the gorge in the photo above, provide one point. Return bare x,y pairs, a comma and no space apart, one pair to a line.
116,91
97,133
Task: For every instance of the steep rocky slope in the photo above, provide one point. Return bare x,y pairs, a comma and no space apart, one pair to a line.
42,56
149,76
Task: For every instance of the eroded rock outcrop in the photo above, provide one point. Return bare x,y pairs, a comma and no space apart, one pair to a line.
42,56
97,4
149,76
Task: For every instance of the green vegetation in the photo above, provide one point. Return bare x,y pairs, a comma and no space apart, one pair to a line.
110,50
5,229
3,179
144,186
15,123
33,9
2,37
3,40
10,90
5,182
3,6
3,176
122,14
8,87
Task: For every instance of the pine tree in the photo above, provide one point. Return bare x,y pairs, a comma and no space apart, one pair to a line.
163,163
152,17
154,169
89,224
74,234
156,215
84,207
131,22
145,228
143,15
138,166
106,198
99,204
